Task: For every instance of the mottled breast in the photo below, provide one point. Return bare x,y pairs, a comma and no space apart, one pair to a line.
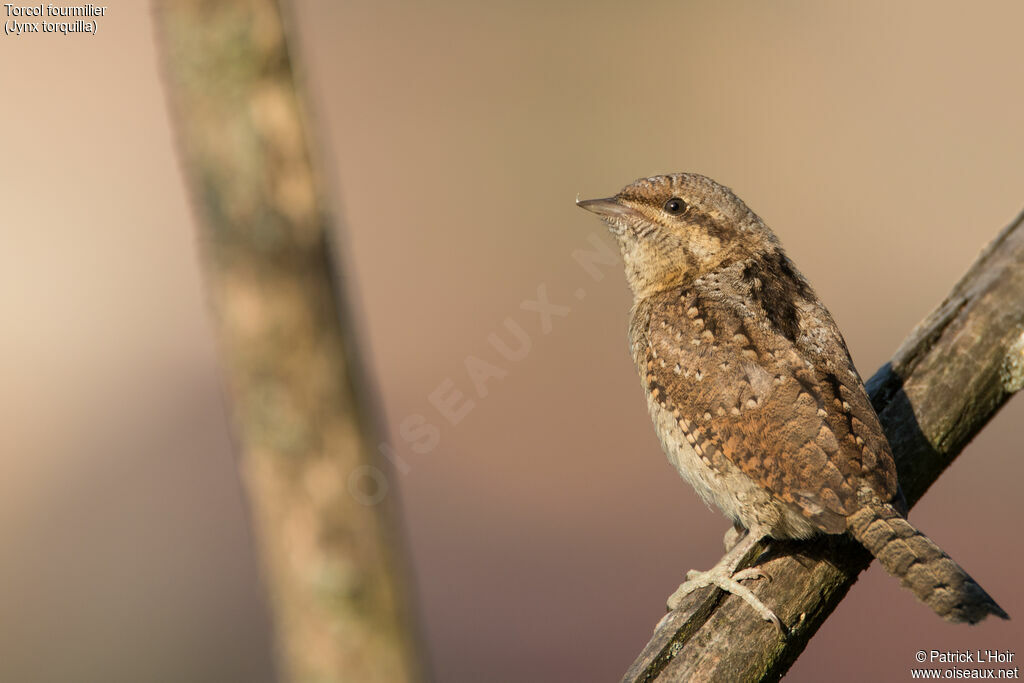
776,399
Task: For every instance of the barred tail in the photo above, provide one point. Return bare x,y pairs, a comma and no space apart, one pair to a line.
920,565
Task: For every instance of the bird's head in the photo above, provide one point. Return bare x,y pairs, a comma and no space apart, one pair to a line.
673,228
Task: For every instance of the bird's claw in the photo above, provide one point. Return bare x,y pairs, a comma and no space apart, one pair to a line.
730,583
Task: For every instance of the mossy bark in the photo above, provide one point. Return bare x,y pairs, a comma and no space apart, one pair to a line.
301,406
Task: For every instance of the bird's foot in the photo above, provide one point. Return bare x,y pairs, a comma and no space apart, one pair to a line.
732,537
723,578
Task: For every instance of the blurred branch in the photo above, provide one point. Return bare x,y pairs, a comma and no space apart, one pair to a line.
946,381
302,417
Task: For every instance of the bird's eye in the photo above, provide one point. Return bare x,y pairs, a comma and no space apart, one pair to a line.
675,206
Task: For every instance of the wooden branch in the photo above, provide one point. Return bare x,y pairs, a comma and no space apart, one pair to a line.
300,409
945,382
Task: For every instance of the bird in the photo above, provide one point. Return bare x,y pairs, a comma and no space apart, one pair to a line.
754,395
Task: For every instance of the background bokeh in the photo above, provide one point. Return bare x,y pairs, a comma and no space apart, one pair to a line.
882,142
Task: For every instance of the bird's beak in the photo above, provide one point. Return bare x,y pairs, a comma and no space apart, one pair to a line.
606,208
